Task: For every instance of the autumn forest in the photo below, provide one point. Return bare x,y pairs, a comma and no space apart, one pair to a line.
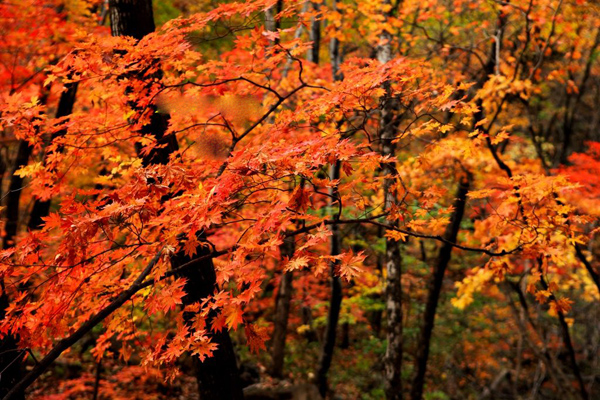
274,199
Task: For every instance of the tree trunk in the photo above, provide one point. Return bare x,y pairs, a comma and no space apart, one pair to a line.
315,36
284,293
588,265
11,357
282,311
333,316
567,341
393,297
335,302
435,288
393,282
272,24
218,376
41,208
14,194
131,18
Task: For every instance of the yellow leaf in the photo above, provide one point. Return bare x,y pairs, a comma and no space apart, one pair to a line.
480,194
396,235
482,122
29,170
128,115
34,102
445,128
49,80
470,285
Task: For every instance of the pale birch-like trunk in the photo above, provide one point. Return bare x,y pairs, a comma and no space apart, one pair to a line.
393,266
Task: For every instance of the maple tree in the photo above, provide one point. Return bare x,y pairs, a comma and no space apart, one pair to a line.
404,187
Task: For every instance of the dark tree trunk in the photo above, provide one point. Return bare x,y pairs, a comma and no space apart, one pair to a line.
218,376
284,293
272,24
14,194
572,105
41,208
307,319
335,301
567,342
131,18
588,265
282,311
97,378
315,36
11,357
435,288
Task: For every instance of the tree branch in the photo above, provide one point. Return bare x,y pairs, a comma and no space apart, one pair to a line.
69,341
